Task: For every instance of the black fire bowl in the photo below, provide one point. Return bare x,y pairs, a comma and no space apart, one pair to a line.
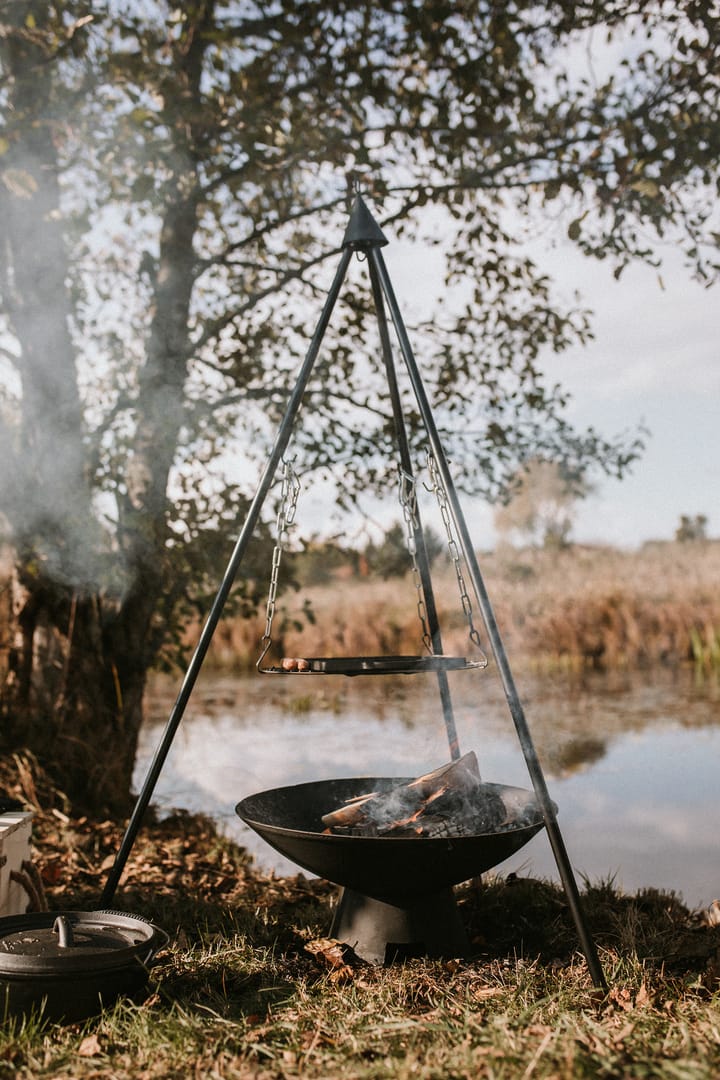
397,899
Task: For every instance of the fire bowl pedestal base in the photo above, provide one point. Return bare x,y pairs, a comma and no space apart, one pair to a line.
383,933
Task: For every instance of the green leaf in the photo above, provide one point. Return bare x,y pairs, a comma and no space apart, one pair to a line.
141,115
646,187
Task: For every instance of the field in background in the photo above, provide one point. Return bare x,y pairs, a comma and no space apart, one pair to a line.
578,608
572,609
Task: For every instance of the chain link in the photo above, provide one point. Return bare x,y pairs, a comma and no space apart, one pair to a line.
438,488
408,502
289,492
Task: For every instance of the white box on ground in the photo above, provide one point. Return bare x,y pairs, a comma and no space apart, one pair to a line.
15,832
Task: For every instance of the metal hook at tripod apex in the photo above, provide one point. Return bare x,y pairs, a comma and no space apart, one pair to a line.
353,188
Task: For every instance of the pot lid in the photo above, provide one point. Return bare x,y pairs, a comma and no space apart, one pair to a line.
52,942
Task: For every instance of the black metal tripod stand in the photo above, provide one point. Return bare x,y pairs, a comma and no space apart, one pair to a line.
364,235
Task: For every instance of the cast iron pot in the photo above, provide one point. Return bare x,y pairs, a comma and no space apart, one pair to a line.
69,965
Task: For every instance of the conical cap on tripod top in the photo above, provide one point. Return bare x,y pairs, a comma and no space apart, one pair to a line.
362,230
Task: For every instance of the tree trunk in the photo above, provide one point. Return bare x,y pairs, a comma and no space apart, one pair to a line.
79,661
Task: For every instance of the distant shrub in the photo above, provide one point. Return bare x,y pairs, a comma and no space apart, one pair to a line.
692,528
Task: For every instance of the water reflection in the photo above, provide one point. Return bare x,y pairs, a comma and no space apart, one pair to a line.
632,765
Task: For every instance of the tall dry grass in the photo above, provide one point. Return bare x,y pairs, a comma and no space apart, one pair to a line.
583,607
579,608
606,609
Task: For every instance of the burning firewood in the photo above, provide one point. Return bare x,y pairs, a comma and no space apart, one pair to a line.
449,801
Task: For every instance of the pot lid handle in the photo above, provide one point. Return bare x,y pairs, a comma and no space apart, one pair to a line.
63,929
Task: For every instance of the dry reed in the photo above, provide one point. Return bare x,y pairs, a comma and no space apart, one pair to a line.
584,607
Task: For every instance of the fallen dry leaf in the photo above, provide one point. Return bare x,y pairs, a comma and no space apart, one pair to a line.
483,992
52,871
623,998
90,1047
620,997
335,955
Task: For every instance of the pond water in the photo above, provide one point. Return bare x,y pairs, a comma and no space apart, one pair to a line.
632,764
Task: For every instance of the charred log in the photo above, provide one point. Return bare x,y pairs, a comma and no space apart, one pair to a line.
449,801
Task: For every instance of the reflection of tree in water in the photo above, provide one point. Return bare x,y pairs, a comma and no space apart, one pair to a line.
576,754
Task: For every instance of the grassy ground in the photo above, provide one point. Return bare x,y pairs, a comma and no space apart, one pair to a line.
577,609
250,987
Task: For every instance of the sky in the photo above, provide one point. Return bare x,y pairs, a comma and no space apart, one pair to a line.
655,361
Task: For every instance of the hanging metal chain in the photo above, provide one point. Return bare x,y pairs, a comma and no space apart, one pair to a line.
438,488
408,502
289,492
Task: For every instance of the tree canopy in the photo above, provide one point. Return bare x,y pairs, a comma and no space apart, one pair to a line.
542,505
173,190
